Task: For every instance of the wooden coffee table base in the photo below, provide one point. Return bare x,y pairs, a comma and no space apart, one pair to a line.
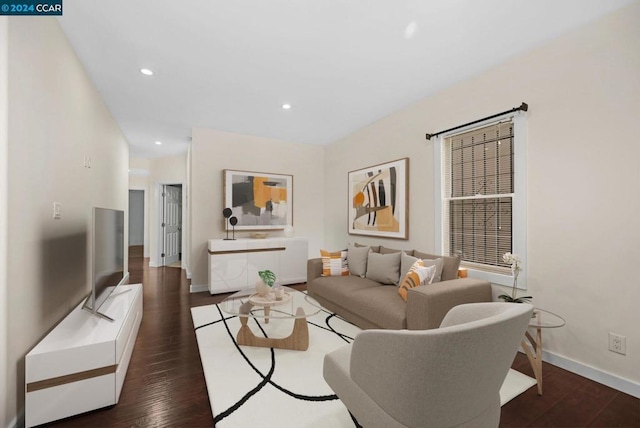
298,340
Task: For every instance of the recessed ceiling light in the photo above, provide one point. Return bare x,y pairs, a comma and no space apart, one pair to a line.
158,142
146,72
410,30
286,106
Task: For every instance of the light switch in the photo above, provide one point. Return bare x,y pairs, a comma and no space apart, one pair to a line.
56,210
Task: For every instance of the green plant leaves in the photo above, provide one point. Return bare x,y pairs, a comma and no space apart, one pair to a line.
267,277
509,299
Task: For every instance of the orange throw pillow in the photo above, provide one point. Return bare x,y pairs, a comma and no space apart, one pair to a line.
334,263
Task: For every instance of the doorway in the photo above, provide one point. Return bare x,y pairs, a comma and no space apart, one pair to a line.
172,225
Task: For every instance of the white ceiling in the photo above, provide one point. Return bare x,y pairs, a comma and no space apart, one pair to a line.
341,64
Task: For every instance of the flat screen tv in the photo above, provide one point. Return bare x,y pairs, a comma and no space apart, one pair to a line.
107,256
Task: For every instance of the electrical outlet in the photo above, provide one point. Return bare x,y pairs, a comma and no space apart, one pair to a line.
618,343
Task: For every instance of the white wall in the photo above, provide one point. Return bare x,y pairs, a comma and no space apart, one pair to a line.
583,90
213,151
56,118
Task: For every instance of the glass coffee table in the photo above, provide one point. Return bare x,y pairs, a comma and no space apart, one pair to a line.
294,305
533,345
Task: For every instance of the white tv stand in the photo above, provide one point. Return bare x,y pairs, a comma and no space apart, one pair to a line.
81,364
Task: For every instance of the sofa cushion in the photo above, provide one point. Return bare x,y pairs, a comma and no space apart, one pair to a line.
334,263
418,274
450,267
374,248
357,259
340,291
383,268
385,250
380,305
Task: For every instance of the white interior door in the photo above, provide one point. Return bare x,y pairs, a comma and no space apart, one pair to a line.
172,224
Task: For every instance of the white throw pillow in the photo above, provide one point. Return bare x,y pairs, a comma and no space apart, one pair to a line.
418,275
439,264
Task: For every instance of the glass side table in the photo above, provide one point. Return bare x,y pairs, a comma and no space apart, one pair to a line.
533,345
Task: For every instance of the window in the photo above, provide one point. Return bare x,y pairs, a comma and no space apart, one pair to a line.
481,203
478,188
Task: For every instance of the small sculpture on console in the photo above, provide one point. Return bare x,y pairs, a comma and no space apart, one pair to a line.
233,220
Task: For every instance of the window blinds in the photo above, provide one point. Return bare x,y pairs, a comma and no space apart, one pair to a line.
478,191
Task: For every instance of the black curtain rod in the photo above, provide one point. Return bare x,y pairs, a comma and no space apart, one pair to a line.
523,107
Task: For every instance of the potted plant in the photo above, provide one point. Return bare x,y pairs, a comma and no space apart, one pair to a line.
515,262
267,279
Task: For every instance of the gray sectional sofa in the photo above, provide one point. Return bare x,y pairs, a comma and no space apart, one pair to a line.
361,299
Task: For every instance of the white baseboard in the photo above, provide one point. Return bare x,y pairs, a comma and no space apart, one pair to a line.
198,288
188,273
596,375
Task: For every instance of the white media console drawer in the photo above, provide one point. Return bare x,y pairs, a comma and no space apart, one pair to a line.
81,364
234,264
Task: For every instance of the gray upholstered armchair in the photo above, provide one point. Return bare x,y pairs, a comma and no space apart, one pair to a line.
445,377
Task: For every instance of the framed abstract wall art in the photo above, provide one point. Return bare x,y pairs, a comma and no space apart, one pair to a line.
259,200
378,200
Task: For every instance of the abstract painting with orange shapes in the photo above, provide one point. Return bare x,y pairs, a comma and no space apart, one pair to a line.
378,200
259,200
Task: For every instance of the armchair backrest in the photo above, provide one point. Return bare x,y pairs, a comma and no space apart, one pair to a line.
447,376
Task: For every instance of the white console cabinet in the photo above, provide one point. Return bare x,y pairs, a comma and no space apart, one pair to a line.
234,264
81,364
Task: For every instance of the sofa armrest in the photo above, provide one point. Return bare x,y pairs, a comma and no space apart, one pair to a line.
428,304
314,269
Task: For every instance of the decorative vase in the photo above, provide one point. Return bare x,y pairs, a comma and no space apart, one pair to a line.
278,291
288,231
262,289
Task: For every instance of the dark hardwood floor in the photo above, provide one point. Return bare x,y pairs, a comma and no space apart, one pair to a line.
165,384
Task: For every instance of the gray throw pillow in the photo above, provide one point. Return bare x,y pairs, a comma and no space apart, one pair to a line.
406,261
357,260
384,268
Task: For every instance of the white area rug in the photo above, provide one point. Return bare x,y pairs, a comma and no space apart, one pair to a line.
250,386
